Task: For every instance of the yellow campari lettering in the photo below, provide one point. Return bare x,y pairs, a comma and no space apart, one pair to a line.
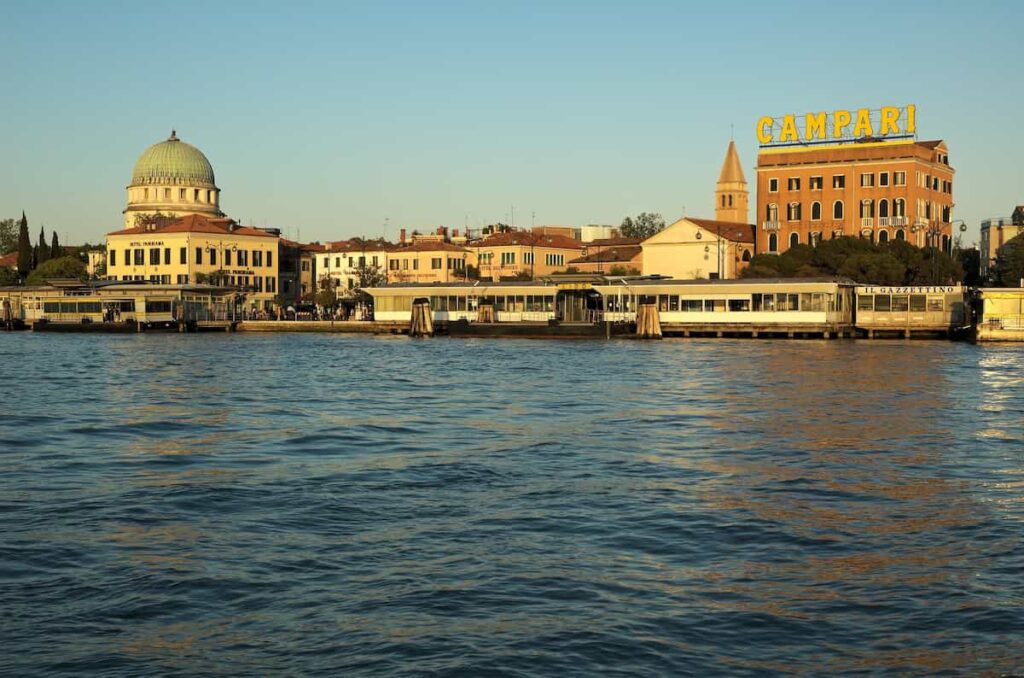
911,119
789,132
764,129
814,125
890,121
863,128
840,121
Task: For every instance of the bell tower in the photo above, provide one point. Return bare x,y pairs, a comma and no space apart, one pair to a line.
731,194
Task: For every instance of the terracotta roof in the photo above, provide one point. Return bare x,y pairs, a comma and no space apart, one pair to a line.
428,246
621,254
730,230
9,260
609,242
360,245
529,240
930,144
732,169
196,223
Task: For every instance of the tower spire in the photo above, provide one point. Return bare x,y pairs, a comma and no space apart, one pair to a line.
731,194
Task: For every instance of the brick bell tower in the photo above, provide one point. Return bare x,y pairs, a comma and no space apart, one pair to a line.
731,194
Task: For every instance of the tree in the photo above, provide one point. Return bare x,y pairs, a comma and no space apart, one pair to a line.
8,276
644,226
1009,269
327,298
894,263
970,261
8,236
24,248
42,249
55,250
61,267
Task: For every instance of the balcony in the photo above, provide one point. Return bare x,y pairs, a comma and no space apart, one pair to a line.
770,226
883,221
899,221
867,222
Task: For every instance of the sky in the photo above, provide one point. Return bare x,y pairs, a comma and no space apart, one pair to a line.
335,119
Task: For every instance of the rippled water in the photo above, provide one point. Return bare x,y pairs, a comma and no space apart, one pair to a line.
341,505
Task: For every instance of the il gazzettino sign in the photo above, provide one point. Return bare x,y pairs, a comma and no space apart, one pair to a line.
841,126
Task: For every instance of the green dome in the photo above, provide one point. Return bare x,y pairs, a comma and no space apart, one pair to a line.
173,162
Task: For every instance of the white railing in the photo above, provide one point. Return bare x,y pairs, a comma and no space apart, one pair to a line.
770,226
867,222
883,221
899,221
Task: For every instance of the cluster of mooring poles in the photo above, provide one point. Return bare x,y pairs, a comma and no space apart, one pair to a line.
648,322
8,315
422,322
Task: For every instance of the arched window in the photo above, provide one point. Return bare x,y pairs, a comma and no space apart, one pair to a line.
773,243
773,213
899,207
900,235
815,211
883,236
946,213
723,201
793,211
746,255
794,239
730,200
837,209
867,209
883,209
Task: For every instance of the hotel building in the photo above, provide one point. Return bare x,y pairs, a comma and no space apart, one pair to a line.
514,254
897,189
996,232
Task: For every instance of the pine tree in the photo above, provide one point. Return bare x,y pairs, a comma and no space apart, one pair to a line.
24,248
42,249
55,250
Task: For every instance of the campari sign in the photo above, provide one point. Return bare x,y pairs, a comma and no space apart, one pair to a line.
861,125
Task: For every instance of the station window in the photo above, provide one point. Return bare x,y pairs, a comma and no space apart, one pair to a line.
935,304
917,302
865,302
883,302
900,302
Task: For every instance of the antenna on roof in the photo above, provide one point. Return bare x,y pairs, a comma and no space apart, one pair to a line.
732,130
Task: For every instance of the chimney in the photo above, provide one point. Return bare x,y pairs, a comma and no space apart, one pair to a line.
401,237
440,230
455,233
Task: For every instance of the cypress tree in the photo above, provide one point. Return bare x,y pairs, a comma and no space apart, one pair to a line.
42,249
55,251
24,248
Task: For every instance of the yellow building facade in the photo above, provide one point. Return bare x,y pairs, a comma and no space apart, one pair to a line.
195,249
427,261
519,254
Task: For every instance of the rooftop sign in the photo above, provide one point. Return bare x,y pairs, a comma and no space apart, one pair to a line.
864,124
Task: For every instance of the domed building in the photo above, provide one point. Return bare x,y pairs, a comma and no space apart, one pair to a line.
174,179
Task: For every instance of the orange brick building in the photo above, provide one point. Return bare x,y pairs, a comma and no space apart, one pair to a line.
882,190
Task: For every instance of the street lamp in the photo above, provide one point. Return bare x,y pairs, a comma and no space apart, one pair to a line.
220,247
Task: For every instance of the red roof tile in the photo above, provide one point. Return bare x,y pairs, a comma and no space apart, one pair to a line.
610,255
729,230
196,223
529,240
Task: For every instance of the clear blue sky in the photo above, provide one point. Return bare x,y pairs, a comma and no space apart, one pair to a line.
325,118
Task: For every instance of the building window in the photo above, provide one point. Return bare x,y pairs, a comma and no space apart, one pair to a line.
793,184
815,211
883,209
199,255
337,262
900,235
773,185
554,259
167,194
837,209
195,195
773,243
838,181
883,178
183,255
794,239
416,264
257,258
113,257
213,257
375,261
817,183
154,256
867,209
772,214
508,258
899,178
181,194
405,264
527,257
327,261
227,258
271,284
435,263
793,211
243,258
167,256
270,258
867,180
899,207
883,236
